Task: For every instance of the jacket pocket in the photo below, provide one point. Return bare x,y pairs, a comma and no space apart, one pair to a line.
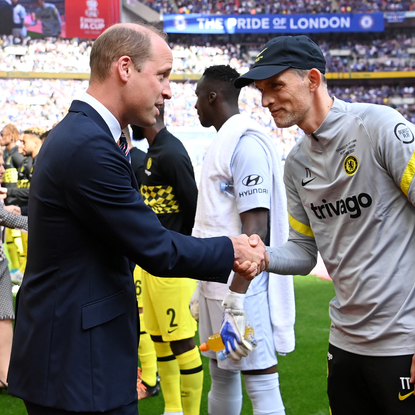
104,310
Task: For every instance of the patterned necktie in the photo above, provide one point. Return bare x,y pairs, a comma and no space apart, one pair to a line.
122,143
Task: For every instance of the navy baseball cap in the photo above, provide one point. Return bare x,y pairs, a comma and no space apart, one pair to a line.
281,53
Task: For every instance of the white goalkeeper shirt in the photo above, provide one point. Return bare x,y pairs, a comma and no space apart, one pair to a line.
351,194
251,188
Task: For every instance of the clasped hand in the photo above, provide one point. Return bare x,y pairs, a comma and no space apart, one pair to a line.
251,257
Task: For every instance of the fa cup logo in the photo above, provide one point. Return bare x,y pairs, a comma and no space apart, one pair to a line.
92,10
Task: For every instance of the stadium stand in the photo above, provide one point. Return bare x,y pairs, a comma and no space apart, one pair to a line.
42,77
279,6
391,51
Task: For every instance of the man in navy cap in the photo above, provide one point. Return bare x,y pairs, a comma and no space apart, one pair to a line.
351,196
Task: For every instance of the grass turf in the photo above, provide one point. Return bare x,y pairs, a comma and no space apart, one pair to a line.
303,372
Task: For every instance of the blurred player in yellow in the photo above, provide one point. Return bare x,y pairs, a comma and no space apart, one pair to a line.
31,144
148,384
169,188
13,160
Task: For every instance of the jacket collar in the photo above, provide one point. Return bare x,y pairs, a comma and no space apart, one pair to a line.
80,106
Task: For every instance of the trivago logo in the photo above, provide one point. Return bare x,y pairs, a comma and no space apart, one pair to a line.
352,205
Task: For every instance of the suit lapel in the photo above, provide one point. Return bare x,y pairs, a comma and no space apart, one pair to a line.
80,106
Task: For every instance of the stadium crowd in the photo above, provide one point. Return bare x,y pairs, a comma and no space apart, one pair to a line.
262,6
41,55
279,7
44,102
393,51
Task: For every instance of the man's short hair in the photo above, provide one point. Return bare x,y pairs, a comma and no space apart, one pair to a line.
37,131
226,76
302,73
223,73
120,41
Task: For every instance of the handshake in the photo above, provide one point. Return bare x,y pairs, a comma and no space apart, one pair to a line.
251,257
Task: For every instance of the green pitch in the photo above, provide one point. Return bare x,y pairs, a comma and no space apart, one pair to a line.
303,373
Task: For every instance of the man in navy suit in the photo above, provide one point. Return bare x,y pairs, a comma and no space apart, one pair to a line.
76,333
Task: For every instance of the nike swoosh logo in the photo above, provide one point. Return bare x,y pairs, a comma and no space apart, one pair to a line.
258,57
401,398
305,182
262,51
171,331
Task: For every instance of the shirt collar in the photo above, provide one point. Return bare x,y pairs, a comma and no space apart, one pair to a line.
105,113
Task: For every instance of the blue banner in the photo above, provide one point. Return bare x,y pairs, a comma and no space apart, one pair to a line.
275,23
396,17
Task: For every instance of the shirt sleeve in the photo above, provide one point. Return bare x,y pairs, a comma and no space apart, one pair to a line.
251,174
21,195
58,20
22,14
393,138
299,254
12,221
178,167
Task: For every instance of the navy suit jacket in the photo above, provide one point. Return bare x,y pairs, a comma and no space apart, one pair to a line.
76,333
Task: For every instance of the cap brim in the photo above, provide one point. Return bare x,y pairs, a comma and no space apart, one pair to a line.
258,74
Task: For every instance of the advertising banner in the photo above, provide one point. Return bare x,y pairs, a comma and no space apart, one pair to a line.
396,17
275,23
89,18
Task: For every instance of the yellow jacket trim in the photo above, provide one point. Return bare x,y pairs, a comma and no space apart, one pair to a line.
300,227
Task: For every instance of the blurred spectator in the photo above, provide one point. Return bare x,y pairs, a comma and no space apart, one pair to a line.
13,160
50,18
19,16
6,18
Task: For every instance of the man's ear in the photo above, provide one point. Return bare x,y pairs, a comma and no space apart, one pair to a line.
212,97
314,77
124,67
